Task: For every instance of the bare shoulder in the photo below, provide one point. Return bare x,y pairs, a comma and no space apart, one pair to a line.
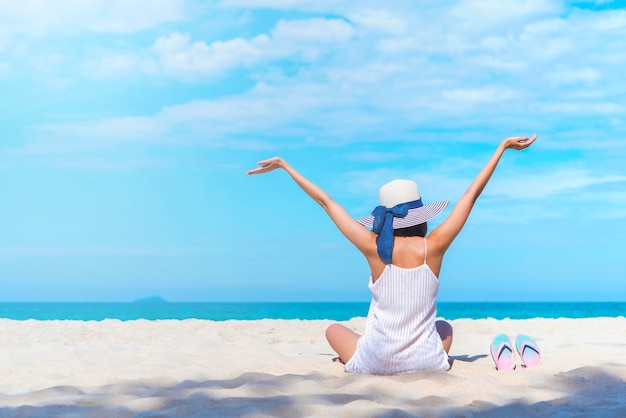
368,245
436,251
437,242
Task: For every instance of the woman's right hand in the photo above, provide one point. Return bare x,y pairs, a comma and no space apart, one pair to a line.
518,142
268,165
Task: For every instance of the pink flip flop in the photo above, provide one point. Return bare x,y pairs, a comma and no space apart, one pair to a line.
502,353
528,350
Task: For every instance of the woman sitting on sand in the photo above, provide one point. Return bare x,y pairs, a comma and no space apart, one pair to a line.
401,334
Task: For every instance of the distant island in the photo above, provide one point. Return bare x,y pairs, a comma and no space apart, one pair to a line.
151,299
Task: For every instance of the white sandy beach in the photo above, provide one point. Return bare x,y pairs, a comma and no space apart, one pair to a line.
284,368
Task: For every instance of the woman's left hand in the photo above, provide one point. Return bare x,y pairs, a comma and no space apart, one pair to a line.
518,142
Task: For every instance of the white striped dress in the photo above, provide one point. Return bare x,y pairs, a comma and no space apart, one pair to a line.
400,332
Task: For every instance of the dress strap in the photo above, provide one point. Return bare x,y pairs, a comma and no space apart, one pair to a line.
425,250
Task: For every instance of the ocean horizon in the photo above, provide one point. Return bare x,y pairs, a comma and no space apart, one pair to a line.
339,311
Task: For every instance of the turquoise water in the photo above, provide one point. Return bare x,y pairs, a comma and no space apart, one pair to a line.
338,311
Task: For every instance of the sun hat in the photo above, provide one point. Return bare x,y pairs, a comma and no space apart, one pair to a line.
400,207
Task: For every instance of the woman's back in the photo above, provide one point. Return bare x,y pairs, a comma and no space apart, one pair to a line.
408,252
400,334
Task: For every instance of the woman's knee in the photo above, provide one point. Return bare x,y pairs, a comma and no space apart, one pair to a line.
445,331
334,331
343,340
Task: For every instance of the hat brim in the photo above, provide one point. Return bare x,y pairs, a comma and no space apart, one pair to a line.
414,217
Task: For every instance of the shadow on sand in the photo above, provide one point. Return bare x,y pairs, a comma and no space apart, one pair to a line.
585,392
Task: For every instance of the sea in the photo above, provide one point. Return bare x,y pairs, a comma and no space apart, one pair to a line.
338,311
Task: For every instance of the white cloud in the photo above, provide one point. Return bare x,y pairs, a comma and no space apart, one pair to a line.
4,39
233,121
584,108
315,31
564,182
587,76
298,39
499,14
94,250
32,31
374,156
379,21
441,76
117,65
482,95
320,6
94,135
180,58
108,163
611,21
40,17
563,193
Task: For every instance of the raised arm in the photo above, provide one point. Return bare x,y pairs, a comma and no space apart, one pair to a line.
356,233
445,233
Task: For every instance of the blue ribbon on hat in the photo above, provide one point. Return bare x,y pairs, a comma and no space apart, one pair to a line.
383,225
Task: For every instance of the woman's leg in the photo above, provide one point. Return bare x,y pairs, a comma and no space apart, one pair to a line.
444,329
343,340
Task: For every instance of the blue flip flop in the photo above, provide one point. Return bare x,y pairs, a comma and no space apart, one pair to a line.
502,353
528,350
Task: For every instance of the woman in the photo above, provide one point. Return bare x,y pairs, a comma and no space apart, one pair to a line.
401,334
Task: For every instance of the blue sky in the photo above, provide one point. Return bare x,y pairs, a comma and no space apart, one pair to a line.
128,127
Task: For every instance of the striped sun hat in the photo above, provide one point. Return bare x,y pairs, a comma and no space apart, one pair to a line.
399,192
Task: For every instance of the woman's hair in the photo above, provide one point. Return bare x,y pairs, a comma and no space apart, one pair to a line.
412,231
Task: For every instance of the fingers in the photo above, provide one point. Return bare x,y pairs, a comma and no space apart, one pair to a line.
274,161
526,142
520,142
257,170
262,169
265,166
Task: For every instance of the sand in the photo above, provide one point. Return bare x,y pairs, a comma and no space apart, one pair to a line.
283,368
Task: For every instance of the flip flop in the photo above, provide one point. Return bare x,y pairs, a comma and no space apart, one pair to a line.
528,350
502,353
